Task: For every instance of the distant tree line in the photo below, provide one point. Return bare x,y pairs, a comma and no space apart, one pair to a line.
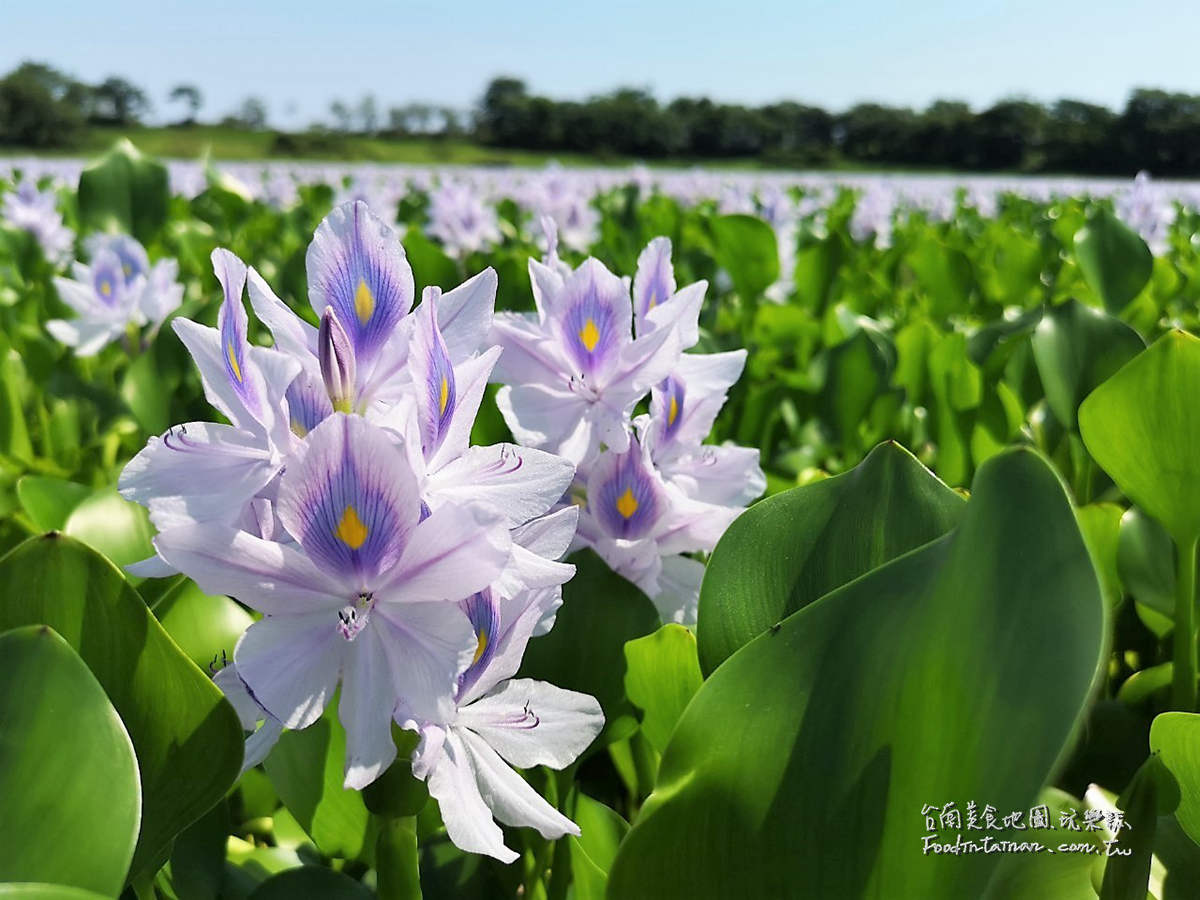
1157,130
41,107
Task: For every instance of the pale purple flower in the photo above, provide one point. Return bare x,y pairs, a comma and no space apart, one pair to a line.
462,220
574,371
36,212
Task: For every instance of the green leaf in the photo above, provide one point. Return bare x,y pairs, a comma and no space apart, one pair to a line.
198,855
49,501
856,373
187,738
397,793
205,627
306,768
1100,524
315,882
662,675
1150,792
71,805
746,249
124,191
585,651
1076,348
1143,427
1114,260
430,264
111,525
900,689
790,549
147,394
14,431
944,273
33,891
1146,566
592,853
1175,737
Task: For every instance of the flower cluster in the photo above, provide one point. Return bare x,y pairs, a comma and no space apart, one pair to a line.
650,491
389,559
34,211
119,289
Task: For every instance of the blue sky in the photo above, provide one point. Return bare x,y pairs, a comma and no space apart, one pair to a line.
300,55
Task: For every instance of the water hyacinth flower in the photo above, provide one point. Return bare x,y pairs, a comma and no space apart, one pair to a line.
34,211
119,289
366,595
345,503
646,501
462,220
500,721
574,372
641,526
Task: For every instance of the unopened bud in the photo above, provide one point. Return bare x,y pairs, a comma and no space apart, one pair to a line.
336,356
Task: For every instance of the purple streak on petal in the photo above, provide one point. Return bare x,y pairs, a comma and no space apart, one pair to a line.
351,501
232,323
308,404
483,611
655,279
357,266
667,405
591,323
107,280
623,495
336,358
434,375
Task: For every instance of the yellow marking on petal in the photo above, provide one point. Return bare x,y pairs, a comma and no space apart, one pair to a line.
627,504
106,288
231,354
653,301
480,647
364,302
127,269
351,531
673,411
298,429
444,397
589,335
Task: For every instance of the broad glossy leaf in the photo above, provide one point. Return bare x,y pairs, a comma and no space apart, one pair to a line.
1175,737
1113,258
68,778
31,890
944,273
1077,348
1146,566
124,191
790,549
204,626
1151,792
662,675
1100,524
585,651
110,524
903,688
147,394
746,249
1143,427
198,855
307,769
49,501
187,738
592,853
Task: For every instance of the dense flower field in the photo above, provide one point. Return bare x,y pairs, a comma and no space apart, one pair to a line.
572,534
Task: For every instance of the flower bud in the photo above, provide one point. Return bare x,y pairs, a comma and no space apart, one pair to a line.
336,356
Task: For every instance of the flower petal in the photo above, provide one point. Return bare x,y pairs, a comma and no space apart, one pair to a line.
467,818
532,723
356,265
465,315
428,645
510,796
365,708
351,500
654,282
290,664
519,481
273,578
455,552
